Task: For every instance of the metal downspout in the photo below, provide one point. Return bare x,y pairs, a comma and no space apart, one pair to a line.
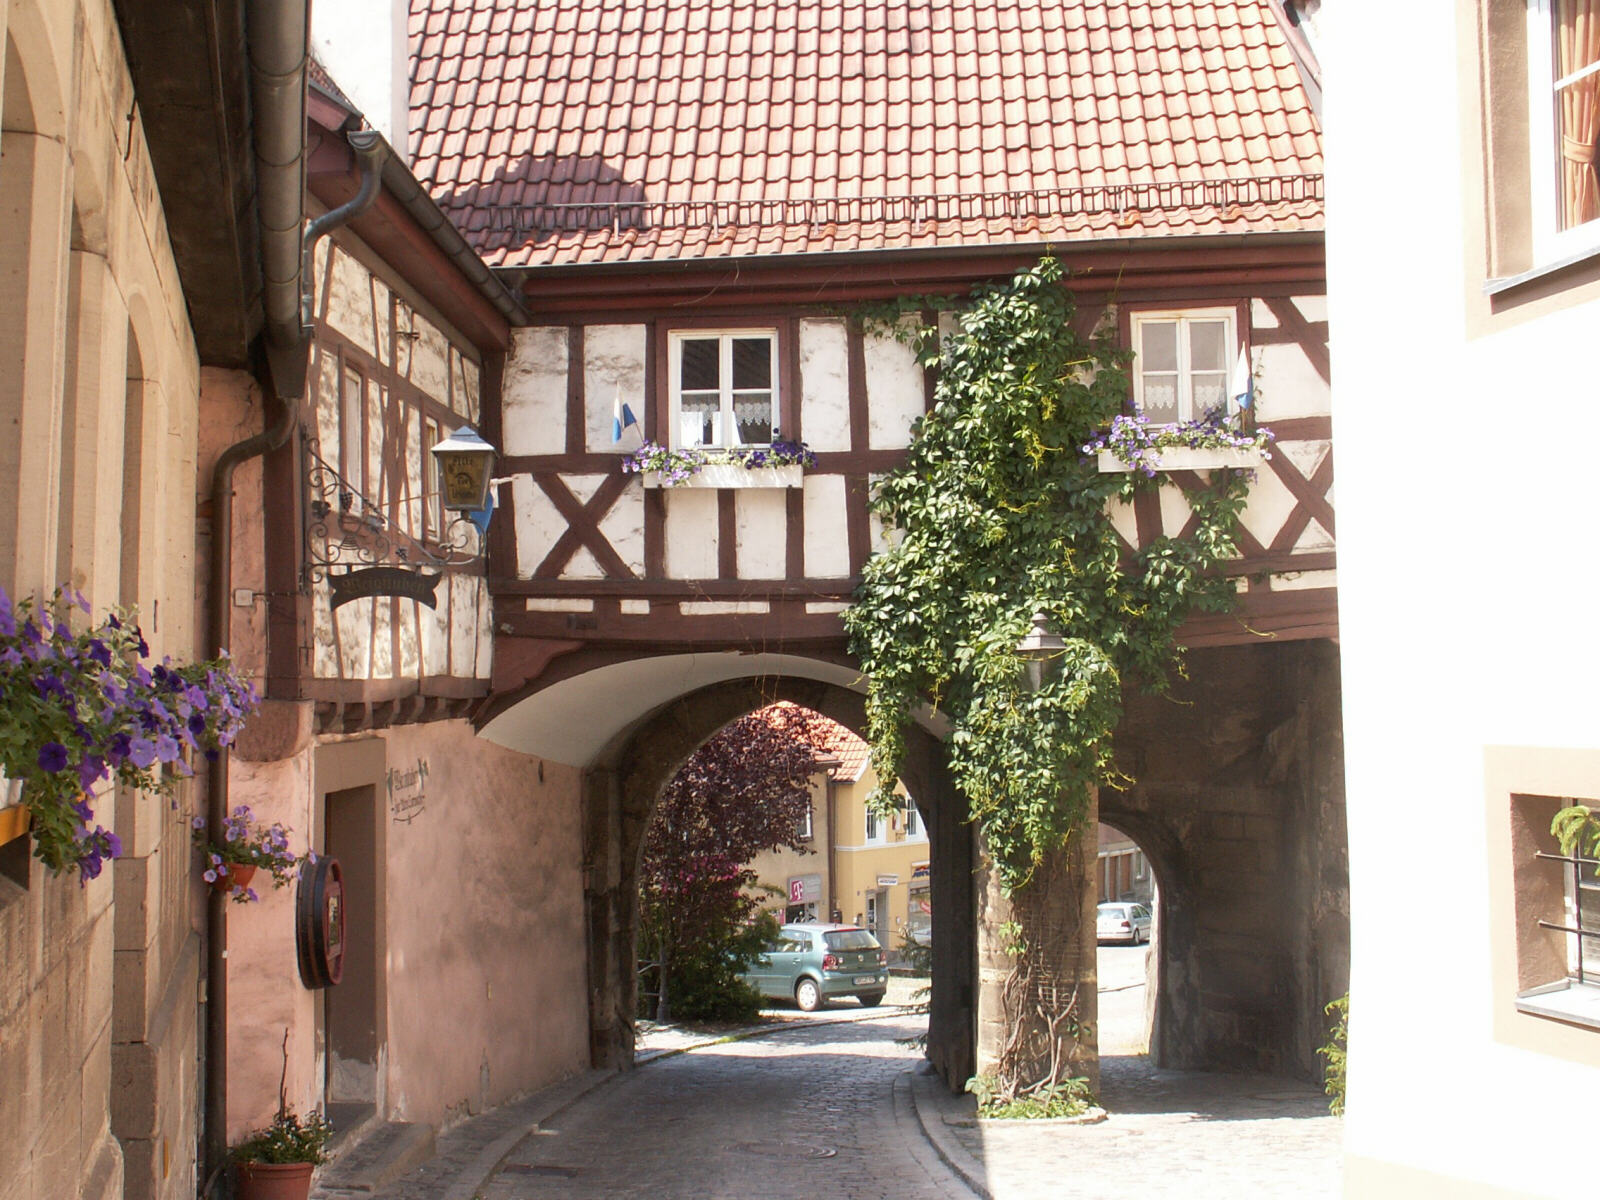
278,34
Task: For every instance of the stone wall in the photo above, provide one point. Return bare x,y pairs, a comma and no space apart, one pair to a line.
1239,805
97,472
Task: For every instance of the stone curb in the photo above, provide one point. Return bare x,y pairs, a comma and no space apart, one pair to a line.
936,1108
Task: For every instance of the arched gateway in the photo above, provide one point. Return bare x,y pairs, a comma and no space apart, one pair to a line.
632,742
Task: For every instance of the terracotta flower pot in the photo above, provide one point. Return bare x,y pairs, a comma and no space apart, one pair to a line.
239,875
273,1181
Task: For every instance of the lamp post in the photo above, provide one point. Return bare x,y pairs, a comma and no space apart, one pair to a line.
1041,649
465,463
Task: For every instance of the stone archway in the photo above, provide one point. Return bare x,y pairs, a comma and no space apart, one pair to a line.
619,795
1239,808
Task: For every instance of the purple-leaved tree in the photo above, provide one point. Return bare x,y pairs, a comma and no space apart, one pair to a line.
745,791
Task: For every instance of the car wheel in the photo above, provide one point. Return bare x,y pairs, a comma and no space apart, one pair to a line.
808,995
1138,935
870,999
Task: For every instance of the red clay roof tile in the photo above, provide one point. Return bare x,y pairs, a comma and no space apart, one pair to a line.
960,121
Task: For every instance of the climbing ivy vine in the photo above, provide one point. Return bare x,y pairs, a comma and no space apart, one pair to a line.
1000,512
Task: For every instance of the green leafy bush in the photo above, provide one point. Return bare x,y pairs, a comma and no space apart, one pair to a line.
1069,1098
1334,1053
1000,513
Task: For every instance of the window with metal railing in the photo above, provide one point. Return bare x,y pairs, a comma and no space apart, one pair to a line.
1560,957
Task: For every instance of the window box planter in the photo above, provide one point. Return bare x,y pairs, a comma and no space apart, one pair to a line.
731,475
1186,458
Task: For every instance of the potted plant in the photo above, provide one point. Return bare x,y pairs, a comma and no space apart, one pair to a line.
245,847
276,1163
80,707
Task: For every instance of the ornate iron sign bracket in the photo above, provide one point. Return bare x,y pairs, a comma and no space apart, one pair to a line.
345,531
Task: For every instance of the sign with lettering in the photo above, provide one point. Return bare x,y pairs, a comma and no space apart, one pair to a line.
407,787
346,586
803,889
888,880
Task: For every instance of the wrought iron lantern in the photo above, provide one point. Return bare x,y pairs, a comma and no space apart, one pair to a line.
466,462
1041,649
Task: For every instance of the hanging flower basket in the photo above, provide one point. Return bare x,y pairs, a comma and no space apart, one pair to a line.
242,847
80,708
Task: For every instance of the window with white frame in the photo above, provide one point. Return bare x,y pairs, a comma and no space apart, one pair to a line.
913,818
724,387
875,830
1564,125
1183,362
805,825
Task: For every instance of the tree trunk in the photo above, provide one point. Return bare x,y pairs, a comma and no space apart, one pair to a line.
1038,1008
663,1006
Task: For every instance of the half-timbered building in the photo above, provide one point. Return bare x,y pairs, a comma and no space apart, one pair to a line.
707,212
363,603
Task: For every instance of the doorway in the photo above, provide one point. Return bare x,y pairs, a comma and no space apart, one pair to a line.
353,1010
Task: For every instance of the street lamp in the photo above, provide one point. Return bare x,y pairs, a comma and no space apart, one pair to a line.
1040,647
465,463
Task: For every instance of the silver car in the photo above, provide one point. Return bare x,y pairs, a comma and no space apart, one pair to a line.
1122,921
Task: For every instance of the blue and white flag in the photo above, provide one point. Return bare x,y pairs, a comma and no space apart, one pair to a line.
1242,388
621,417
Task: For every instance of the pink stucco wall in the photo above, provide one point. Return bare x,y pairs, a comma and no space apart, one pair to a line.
486,980
482,934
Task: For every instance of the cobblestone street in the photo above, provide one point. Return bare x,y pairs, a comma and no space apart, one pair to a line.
807,1112
828,1104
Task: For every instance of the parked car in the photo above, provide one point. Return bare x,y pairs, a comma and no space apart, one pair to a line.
814,963
1122,922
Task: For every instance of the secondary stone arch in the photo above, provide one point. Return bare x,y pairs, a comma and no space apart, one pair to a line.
620,789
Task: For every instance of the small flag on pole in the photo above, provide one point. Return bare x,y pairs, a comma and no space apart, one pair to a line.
621,417
1242,388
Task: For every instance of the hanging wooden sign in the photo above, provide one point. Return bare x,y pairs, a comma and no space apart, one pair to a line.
346,586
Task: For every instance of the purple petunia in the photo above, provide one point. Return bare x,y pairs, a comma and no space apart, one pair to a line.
141,752
52,757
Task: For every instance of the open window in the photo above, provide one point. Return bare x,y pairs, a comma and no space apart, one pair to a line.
724,388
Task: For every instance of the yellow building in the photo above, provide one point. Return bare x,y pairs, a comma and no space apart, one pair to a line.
864,868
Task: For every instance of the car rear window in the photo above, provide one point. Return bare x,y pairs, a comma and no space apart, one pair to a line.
849,939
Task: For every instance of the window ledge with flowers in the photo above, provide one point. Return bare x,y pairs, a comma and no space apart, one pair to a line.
1214,441
779,465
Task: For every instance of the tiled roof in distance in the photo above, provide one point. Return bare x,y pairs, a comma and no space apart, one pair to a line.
568,131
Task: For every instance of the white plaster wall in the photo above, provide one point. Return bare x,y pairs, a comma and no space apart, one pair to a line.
1287,383
827,551
895,395
760,519
1466,603
691,533
613,363
534,391
623,526
538,524
825,385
